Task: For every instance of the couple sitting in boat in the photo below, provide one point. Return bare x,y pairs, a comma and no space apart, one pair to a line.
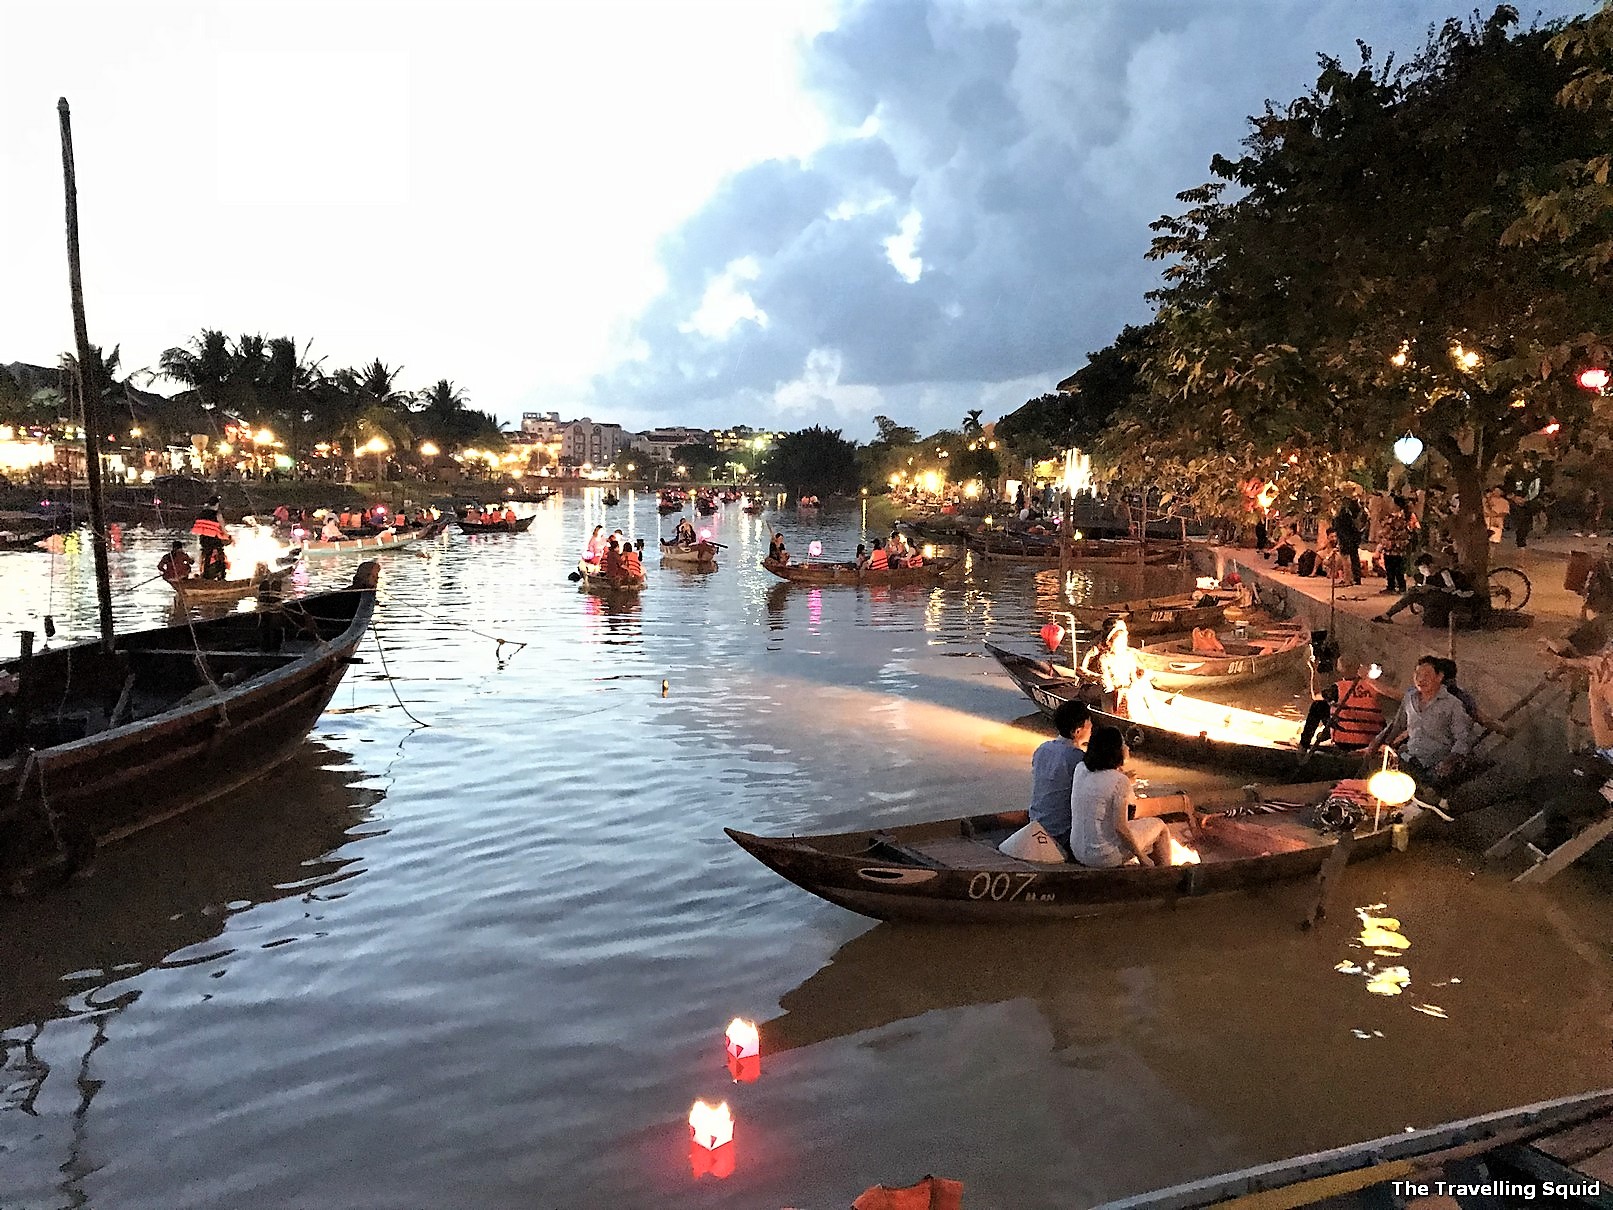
776,552
684,535
620,563
598,543
1080,795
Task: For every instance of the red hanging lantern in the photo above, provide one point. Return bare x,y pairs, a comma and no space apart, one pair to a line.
1052,636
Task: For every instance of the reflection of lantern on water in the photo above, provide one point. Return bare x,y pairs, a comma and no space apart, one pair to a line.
1052,636
711,1140
743,1049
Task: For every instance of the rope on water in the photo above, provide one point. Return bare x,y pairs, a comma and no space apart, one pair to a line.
407,713
498,653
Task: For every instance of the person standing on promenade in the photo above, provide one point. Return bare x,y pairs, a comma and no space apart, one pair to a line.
1347,528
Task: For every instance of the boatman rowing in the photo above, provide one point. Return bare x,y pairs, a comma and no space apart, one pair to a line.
209,528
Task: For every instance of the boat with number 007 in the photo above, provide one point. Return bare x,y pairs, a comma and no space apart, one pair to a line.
953,870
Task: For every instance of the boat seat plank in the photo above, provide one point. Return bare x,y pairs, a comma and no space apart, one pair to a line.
1578,1141
967,852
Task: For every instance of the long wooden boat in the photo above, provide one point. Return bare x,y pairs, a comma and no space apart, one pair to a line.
952,870
518,526
97,744
1157,615
316,549
594,580
1189,730
262,582
692,554
1173,664
847,573
1043,553
1566,1144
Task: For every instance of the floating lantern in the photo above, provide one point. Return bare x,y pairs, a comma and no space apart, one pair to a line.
705,535
815,549
743,1050
1052,636
711,1140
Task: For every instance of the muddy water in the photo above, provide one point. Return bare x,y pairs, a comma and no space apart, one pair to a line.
487,961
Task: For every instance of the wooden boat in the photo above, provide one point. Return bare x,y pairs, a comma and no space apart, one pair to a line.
1189,730
692,554
610,499
1566,1144
518,526
1174,665
594,580
847,573
1157,615
755,508
537,497
316,549
262,582
952,870
1045,553
98,744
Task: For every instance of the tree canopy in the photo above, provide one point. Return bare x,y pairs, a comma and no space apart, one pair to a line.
813,461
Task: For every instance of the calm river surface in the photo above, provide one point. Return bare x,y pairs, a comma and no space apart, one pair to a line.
488,961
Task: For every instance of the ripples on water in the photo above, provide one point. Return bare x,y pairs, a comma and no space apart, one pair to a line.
488,962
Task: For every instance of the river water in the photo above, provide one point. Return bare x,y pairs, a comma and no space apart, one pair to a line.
487,961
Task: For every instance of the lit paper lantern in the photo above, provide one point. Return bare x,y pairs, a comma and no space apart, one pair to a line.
1052,636
1595,379
1391,787
815,549
705,535
743,1051
710,1126
1408,449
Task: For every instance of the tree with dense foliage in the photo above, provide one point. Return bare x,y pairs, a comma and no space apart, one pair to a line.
1078,414
1359,286
697,459
812,462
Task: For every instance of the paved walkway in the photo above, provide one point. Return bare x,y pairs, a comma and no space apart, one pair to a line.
1498,666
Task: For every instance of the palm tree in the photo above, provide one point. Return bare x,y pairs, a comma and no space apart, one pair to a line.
971,422
205,366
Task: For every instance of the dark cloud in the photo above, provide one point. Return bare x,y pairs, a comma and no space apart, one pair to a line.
1034,141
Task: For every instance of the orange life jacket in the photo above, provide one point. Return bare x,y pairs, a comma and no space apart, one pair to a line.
1358,718
879,560
207,525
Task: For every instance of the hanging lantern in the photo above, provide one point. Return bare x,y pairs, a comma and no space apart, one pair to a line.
1408,449
743,1050
1052,636
1391,787
1595,379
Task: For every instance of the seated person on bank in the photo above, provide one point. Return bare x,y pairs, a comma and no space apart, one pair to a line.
1053,768
1205,642
1447,583
1101,835
1432,732
1289,546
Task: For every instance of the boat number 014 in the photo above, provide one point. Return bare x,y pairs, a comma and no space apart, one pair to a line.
999,886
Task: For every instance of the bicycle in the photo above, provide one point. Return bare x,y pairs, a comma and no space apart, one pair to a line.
1509,591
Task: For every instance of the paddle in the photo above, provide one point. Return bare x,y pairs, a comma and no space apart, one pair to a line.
575,576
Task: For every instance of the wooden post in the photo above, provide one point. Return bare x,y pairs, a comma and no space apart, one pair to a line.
89,385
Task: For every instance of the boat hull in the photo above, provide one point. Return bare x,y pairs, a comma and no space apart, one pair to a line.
1171,665
846,573
62,799
703,555
1159,615
519,526
595,581
377,544
1049,687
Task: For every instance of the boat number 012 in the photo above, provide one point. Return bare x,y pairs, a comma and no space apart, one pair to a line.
999,886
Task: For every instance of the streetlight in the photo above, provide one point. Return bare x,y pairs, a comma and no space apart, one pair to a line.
428,449
377,446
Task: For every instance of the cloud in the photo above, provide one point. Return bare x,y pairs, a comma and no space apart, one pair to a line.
977,218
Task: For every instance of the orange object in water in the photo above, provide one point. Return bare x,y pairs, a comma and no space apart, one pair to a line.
932,1193
1052,636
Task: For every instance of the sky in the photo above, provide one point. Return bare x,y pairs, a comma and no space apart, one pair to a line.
707,212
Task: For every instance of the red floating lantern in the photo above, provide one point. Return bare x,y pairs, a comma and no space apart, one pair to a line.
1595,378
1052,636
711,1141
743,1050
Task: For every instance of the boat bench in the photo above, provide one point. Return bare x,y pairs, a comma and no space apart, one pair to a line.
961,852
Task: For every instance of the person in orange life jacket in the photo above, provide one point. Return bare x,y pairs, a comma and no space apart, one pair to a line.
878,560
209,528
1350,707
611,564
176,564
631,568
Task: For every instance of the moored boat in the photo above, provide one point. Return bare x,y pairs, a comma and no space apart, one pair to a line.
1173,664
1157,615
1045,552
1555,1152
98,744
1176,727
518,526
953,871
847,573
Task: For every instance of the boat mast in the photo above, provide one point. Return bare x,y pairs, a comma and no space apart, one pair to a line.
89,385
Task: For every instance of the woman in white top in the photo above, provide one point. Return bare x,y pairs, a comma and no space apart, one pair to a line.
1100,834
